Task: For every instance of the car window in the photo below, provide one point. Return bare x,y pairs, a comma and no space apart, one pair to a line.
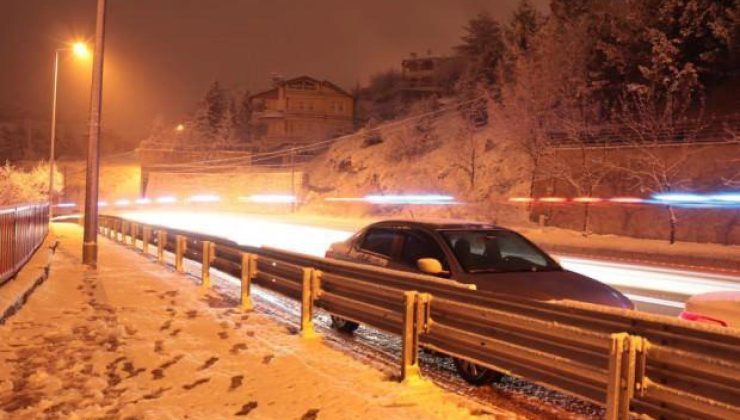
420,245
379,241
499,251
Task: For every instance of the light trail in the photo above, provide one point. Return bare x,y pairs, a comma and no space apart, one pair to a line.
644,277
247,230
656,289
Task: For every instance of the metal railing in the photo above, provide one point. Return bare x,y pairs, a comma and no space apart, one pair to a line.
22,230
627,361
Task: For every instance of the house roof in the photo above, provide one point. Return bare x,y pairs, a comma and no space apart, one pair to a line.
272,93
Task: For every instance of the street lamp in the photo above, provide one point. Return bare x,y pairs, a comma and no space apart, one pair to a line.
79,49
92,172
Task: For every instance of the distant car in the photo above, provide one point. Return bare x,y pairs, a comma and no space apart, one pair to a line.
493,258
718,308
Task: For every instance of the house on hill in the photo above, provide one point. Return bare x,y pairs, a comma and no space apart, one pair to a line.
300,111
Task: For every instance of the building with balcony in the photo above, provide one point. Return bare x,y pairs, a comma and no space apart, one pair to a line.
300,111
428,75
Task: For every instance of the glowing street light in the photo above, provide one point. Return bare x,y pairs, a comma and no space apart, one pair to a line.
79,49
180,128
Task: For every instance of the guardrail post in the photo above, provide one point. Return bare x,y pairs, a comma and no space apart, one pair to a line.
124,229
309,276
410,338
209,254
180,247
161,243
133,231
110,229
621,379
249,271
145,238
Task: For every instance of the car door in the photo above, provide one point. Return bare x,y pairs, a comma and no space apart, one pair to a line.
378,246
417,244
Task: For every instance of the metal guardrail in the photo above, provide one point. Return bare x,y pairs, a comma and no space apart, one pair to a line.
630,362
22,230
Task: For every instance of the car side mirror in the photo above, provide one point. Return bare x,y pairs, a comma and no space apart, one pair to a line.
430,266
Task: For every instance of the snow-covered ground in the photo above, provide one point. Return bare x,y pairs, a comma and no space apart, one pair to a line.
135,340
660,289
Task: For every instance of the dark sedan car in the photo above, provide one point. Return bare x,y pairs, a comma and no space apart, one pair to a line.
495,259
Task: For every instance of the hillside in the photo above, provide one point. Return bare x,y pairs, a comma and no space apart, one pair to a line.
480,167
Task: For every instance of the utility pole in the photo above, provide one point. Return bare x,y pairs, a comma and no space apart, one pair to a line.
90,238
52,141
292,179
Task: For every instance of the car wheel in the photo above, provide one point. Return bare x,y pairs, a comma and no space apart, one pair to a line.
476,374
343,325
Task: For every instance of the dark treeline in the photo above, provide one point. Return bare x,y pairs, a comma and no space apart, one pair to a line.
585,63
591,59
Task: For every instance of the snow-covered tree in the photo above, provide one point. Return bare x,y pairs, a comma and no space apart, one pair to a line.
18,186
649,167
522,27
210,114
483,48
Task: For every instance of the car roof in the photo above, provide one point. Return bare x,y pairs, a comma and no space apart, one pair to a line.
436,224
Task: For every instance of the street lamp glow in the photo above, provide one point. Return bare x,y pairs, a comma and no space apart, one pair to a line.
80,50
180,127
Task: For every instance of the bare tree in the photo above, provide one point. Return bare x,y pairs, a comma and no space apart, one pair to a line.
733,137
584,175
663,142
470,151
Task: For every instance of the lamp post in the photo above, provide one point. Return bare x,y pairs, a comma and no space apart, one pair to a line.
90,233
80,50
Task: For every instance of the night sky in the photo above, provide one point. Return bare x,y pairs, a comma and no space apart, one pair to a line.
161,55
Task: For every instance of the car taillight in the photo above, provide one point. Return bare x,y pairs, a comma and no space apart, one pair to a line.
691,316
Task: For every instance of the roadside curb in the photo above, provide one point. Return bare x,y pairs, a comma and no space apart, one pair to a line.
15,292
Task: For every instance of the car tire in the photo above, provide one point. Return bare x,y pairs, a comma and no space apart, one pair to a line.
344,325
476,374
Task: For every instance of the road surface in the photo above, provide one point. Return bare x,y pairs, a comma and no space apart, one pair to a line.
654,289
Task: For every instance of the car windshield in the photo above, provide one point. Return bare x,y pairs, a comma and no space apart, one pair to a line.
496,251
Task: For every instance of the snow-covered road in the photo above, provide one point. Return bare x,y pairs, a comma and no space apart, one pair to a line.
654,289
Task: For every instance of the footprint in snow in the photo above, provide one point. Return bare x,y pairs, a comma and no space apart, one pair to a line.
156,394
171,362
236,382
236,348
246,408
210,362
223,335
166,325
188,387
157,374
311,414
267,359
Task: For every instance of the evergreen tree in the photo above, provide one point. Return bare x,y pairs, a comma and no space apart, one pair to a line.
243,117
524,24
483,48
669,50
209,115
520,35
